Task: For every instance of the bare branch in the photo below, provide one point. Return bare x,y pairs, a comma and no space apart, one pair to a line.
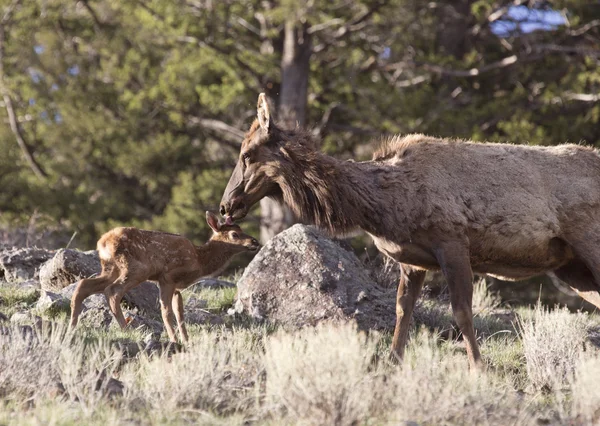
412,81
9,11
582,97
8,104
473,72
567,49
229,132
318,130
97,23
585,28
319,27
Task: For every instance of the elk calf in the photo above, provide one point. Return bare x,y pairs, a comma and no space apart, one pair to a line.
130,256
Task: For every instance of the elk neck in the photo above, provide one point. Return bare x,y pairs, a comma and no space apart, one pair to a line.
336,195
214,256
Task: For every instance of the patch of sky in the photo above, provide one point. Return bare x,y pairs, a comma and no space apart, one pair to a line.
74,70
523,20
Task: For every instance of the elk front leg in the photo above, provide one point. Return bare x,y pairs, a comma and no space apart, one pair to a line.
409,288
178,308
456,265
166,308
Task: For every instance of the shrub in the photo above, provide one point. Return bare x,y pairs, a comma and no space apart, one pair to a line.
434,387
322,375
552,343
217,372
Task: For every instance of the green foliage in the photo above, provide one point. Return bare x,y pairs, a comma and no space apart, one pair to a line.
14,298
115,99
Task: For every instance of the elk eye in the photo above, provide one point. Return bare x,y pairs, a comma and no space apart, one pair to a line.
235,236
246,158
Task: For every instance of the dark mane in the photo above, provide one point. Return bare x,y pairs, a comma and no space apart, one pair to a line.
319,189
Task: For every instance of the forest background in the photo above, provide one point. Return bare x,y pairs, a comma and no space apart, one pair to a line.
131,113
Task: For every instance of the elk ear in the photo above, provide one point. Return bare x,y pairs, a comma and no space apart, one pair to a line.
213,221
262,112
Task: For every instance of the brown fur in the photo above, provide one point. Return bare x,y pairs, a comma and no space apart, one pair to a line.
512,211
130,256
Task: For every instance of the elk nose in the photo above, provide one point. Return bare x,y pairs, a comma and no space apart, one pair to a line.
222,210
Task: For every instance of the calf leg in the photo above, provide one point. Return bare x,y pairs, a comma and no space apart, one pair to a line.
85,288
455,263
178,309
409,288
166,308
114,294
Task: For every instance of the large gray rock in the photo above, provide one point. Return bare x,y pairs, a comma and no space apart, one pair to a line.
22,264
68,266
301,277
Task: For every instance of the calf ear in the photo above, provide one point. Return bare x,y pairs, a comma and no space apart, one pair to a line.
262,112
213,221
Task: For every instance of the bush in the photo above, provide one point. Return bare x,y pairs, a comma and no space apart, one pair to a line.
322,375
216,373
552,343
434,387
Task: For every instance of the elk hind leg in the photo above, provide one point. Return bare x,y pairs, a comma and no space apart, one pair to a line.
455,263
409,288
85,288
114,293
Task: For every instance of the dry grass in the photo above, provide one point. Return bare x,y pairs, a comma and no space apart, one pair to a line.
552,343
322,375
586,392
217,372
435,387
484,300
331,375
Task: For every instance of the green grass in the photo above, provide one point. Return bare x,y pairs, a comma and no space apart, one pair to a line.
15,298
217,300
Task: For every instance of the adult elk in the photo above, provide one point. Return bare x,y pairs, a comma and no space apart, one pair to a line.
130,256
510,211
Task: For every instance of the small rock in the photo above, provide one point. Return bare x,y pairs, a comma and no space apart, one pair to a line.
22,264
138,321
128,349
113,388
54,302
151,337
68,266
21,317
214,283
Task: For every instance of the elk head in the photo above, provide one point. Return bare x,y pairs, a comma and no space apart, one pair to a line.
258,168
231,234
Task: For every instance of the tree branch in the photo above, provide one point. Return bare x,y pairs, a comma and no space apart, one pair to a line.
231,136
583,29
97,23
8,104
473,72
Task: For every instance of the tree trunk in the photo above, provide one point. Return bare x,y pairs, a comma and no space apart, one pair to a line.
295,67
452,27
